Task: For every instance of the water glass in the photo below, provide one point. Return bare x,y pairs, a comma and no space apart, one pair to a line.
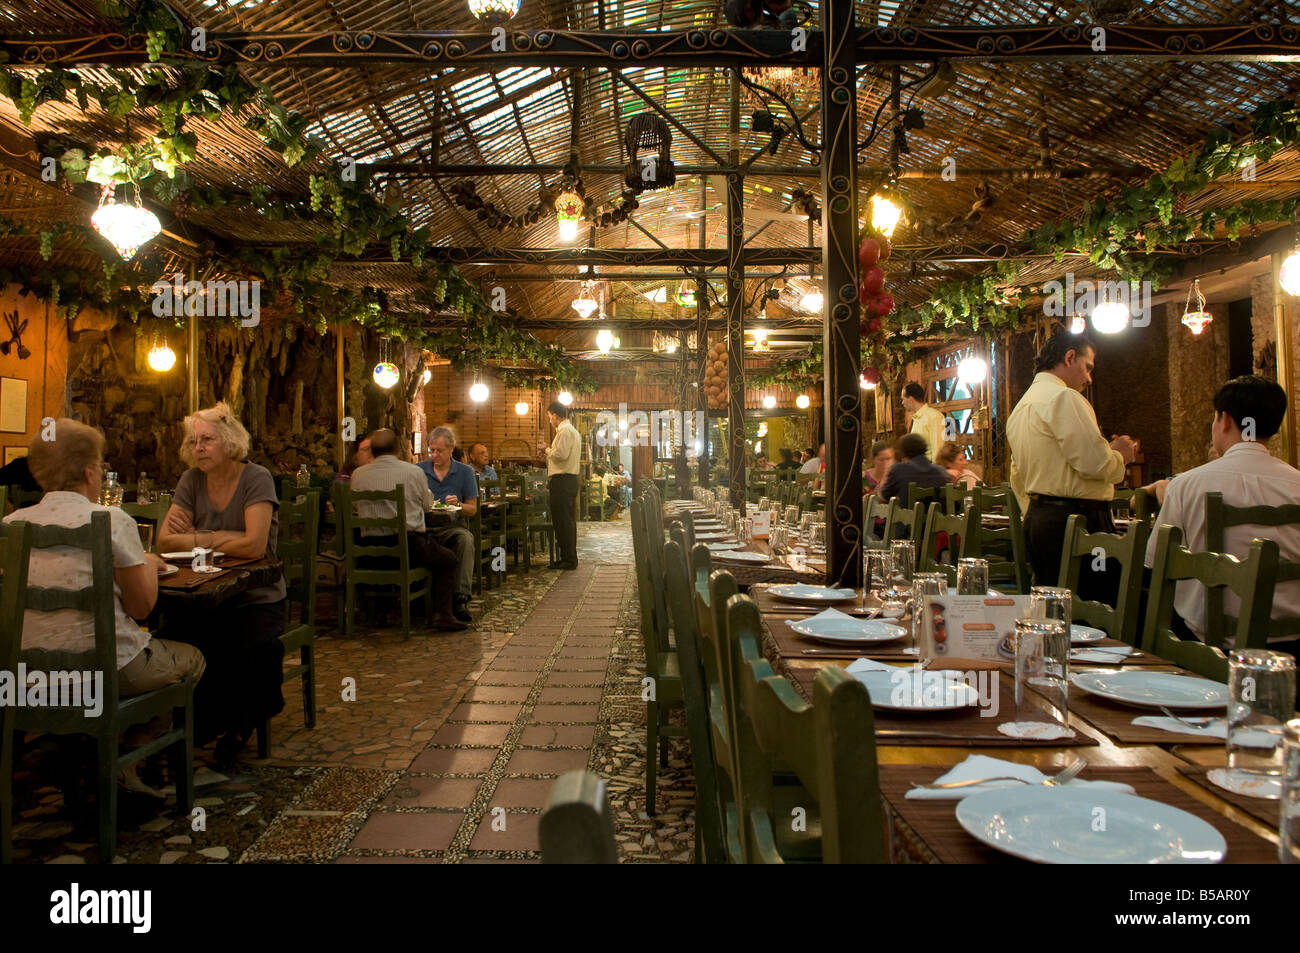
778,539
903,563
928,584
792,516
146,535
746,530
1261,700
1049,602
763,502
1043,664
1288,847
879,566
972,577
817,540
805,524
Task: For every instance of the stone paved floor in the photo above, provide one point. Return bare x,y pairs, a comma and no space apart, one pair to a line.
445,755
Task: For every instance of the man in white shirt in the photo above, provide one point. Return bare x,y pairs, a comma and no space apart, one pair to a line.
926,421
1247,411
386,473
814,464
563,463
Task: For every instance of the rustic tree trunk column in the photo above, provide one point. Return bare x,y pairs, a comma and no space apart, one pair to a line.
842,338
736,309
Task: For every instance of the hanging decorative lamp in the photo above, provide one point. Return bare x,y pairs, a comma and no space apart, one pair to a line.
604,340
1078,324
769,401
685,295
564,397
521,408
126,227
585,304
761,345
972,370
386,374
1288,276
1196,321
568,212
884,215
494,11
803,401
161,357
478,391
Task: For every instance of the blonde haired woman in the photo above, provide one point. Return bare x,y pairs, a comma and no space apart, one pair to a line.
225,503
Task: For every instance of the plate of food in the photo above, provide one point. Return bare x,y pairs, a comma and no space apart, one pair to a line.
189,554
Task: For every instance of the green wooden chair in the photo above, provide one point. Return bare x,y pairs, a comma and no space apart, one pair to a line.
154,513
925,495
593,500
695,696
516,521
876,509
963,533
1120,621
296,547
489,529
19,498
662,666
576,826
1218,517
4,497
361,557
827,749
1251,579
118,714
911,521
538,522
15,544
711,595
1003,546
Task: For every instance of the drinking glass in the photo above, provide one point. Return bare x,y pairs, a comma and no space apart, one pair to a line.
1048,602
778,539
203,539
763,502
879,566
792,515
746,530
1288,846
805,524
903,563
972,577
146,535
817,541
1043,664
927,584
1261,700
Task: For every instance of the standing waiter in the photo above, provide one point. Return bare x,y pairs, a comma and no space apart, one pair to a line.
563,461
1061,464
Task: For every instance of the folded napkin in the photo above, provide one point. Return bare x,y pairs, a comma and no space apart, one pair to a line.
1215,728
826,615
869,665
1103,654
982,766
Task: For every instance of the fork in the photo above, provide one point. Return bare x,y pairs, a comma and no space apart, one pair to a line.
1201,721
1064,777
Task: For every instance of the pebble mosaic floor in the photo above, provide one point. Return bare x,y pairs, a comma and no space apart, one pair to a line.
445,755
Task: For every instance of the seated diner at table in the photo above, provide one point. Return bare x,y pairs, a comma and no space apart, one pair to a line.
953,459
453,483
882,458
226,504
913,467
70,468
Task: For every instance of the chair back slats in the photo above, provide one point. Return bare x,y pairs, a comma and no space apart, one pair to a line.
963,533
1003,546
1120,621
296,547
15,547
1219,516
911,521
654,623
695,695
576,826
359,546
924,495
1252,580
828,745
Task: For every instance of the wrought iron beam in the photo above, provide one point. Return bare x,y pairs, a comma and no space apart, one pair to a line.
841,339
1152,42
429,170
669,257
735,308
702,345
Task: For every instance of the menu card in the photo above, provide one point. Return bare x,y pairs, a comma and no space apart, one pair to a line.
982,627
762,525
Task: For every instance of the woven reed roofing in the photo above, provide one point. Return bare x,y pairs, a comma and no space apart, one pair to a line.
1122,120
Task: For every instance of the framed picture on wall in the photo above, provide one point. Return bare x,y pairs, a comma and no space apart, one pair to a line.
13,453
13,405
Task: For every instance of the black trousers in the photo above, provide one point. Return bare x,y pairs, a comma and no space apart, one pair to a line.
564,515
425,553
242,684
1045,538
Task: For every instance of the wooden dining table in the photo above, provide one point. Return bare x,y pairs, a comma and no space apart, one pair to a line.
190,590
914,748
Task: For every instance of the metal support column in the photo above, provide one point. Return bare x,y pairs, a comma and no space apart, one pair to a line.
702,347
681,471
842,336
736,308
1282,329
192,363
340,451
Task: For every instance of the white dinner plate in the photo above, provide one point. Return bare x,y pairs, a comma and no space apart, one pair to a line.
910,689
1057,825
848,631
1083,634
723,547
800,592
449,510
188,556
207,570
1153,689
168,571
742,556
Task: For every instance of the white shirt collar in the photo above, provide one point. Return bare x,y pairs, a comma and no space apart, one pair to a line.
1246,446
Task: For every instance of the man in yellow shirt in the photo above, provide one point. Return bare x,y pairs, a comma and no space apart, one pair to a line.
926,421
563,463
1061,464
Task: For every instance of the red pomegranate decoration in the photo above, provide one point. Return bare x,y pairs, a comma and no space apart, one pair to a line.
869,252
871,375
885,248
873,281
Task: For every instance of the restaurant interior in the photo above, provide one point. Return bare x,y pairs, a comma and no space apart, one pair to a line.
697,279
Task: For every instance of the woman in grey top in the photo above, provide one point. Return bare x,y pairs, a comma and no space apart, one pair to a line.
225,503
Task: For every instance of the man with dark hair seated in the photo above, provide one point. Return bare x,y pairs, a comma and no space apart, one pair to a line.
386,473
912,469
1247,412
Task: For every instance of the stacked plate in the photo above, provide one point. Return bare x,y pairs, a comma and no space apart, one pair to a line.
1153,689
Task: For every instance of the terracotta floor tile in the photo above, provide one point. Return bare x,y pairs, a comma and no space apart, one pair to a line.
585,651
546,762
449,761
520,792
580,664
497,693
520,833
419,791
569,696
407,831
471,733
505,677
354,859
563,677
480,711
523,651
546,736
556,714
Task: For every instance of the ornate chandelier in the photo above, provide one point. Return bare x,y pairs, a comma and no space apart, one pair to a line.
585,304
386,374
568,212
494,11
127,226
1196,321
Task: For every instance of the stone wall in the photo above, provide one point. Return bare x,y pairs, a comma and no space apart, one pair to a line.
1131,386
1198,366
43,370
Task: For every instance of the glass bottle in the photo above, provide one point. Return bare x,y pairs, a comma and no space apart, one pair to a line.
303,479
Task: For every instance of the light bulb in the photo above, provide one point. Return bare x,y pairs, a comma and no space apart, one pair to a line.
866,384
604,340
884,215
386,374
769,401
427,376
478,393
564,397
161,358
812,301
1288,276
1078,324
1110,317
972,370
803,401
126,226
521,408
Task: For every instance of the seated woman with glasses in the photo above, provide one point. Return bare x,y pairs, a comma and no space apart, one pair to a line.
70,468
227,504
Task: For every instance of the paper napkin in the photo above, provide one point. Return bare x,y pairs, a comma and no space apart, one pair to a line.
982,766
